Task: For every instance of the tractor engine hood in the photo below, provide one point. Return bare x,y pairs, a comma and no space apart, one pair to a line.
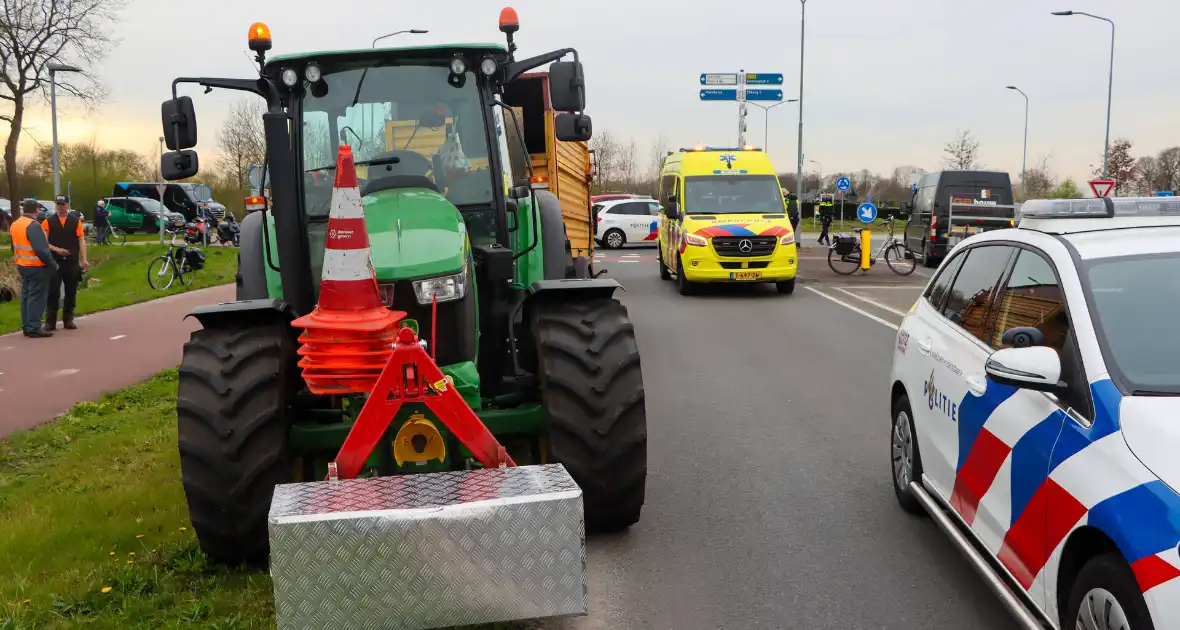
414,233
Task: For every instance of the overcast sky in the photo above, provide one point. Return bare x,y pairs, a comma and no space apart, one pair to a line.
887,83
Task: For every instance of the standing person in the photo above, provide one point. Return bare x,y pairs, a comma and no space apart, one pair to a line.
67,239
793,213
101,222
825,218
35,264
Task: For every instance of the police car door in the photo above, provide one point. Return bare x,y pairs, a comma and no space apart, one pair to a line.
956,400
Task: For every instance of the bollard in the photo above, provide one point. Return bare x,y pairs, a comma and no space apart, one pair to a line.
866,239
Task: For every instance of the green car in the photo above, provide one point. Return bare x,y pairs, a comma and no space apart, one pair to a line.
140,213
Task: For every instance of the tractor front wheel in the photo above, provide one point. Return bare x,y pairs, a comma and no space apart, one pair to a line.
232,435
592,391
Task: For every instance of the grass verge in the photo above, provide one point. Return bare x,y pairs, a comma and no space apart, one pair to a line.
94,531
118,277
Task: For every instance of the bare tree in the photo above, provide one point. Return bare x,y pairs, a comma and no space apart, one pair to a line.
1169,170
241,139
629,165
1039,179
36,33
606,157
1120,163
659,151
962,153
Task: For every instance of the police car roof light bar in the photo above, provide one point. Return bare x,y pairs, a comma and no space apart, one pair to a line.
1105,207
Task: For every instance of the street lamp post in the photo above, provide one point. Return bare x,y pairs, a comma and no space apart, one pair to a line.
766,119
415,31
1109,84
54,68
802,31
1024,157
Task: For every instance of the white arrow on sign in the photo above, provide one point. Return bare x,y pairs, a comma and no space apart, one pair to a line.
866,213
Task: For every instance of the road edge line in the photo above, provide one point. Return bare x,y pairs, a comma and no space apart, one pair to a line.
852,308
870,301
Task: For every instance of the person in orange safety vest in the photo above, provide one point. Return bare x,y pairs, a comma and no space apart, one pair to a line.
35,265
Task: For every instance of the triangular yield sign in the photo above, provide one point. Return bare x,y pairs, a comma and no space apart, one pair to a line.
1102,187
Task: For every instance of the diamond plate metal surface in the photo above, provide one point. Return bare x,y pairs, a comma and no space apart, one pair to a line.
430,550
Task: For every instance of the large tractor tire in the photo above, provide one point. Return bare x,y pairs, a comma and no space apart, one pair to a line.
235,385
592,391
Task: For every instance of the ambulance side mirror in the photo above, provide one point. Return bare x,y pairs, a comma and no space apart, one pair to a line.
672,210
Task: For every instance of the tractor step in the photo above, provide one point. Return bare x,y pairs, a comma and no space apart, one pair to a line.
429,550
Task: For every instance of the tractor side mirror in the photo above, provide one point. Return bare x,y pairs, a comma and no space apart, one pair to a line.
672,210
180,123
176,165
567,86
573,127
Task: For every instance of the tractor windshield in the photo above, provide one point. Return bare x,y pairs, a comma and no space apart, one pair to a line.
399,120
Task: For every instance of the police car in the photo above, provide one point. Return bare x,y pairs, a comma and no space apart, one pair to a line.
622,221
1036,411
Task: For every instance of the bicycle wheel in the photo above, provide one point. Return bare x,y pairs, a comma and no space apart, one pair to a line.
898,260
844,265
161,272
116,237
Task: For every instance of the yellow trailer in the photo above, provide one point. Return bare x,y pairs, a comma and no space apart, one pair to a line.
561,167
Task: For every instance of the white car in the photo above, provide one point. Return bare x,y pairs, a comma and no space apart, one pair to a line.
1035,398
622,221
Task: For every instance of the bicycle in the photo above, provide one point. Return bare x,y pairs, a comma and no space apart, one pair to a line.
845,260
177,263
113,236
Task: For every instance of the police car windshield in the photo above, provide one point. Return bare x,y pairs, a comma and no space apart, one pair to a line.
732,194
1134,300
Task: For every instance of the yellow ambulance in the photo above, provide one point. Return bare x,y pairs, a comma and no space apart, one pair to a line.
724,219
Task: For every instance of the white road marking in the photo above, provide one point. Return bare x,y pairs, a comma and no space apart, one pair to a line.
67,372
881,286
117,337
852,308
871,301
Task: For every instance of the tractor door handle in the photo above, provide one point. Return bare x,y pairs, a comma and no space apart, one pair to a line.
925,345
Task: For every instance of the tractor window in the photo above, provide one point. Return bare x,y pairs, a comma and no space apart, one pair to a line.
399,120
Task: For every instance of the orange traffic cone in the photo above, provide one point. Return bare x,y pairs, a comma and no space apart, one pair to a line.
348,337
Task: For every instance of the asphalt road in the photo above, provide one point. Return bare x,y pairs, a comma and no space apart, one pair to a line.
769,502
42,378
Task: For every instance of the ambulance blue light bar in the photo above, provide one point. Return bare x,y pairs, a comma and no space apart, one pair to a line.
1104,208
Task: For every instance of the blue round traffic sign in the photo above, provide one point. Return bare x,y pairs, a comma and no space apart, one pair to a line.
866,212
843,185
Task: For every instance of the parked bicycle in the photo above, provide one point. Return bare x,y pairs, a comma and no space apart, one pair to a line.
180,262
845,253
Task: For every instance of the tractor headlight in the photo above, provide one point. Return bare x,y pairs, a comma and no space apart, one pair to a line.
443,288
488,66
312,73
290,77
458,65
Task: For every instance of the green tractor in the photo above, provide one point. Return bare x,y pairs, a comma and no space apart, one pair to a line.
535,343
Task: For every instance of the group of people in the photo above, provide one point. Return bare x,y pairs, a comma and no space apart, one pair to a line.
48,254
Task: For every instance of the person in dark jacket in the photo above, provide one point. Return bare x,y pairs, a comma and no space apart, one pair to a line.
102,224
67,239
793,213
825,219
32,255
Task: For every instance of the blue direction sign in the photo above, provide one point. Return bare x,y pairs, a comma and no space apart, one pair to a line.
843,185
719,95
866,212
719,78
764,95
764,79
1164,193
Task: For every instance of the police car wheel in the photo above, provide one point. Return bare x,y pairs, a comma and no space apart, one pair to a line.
905,462
614,239
664,273
1106,596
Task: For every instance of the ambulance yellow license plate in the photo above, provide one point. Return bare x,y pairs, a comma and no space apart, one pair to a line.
746,275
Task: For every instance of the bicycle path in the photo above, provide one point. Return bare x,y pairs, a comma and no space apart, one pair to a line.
41,379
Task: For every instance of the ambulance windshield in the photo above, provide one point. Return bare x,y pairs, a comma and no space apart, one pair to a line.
399,120
1133,298
733,194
